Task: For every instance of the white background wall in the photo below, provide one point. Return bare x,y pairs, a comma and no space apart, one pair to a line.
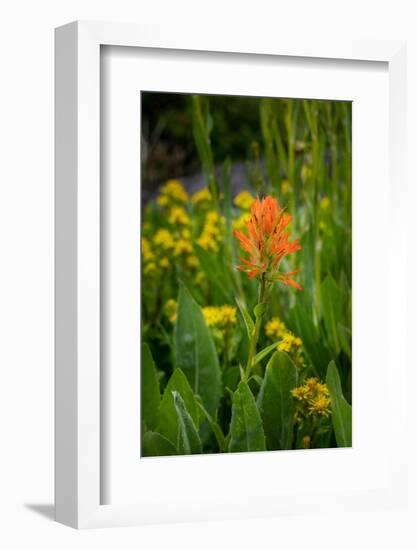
26,269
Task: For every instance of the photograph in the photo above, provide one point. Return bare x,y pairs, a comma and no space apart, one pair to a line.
246,274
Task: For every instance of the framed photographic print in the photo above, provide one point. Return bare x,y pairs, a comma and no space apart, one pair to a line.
224,210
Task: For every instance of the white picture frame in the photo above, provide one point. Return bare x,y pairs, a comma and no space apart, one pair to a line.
78,404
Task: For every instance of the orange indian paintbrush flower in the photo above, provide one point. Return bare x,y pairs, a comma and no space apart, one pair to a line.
267,242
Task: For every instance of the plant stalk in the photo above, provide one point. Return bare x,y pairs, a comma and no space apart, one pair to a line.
256,330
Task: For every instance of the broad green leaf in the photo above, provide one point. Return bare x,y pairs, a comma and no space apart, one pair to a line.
275,402
168,425
250,325
196,354
246,431
155,444
341,410
151,397
263,353
188,441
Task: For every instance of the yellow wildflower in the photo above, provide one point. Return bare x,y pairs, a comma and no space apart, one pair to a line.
174,189
164,263
164,239
183,247
275,328
311,384
239,224
320,405
244,200
202,197
301,393
289,342
178,216
314,397
212,231
192,261
170,310
221,317
147,253
162,200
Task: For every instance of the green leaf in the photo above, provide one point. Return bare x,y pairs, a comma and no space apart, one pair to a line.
275,402
259,310
246,431
151,397
250,325
263,353
188,441
341,410
168,425
155,444
195,351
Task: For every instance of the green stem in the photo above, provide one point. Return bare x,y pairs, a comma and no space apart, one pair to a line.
256,330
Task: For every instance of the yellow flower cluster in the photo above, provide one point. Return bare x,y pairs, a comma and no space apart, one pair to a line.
239,224
202,197
290,342
212,232
314,397
174,241
220,317
172,192
244,200
164,246
148,258
164,239
178,216
276,329
183,247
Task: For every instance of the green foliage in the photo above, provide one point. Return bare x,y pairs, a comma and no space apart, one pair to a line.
249,324
188,441
169,426
275,402
150,390
196,354
341,410
239,369
155,444
246,431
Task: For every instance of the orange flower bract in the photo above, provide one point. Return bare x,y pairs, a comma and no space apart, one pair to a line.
267,242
